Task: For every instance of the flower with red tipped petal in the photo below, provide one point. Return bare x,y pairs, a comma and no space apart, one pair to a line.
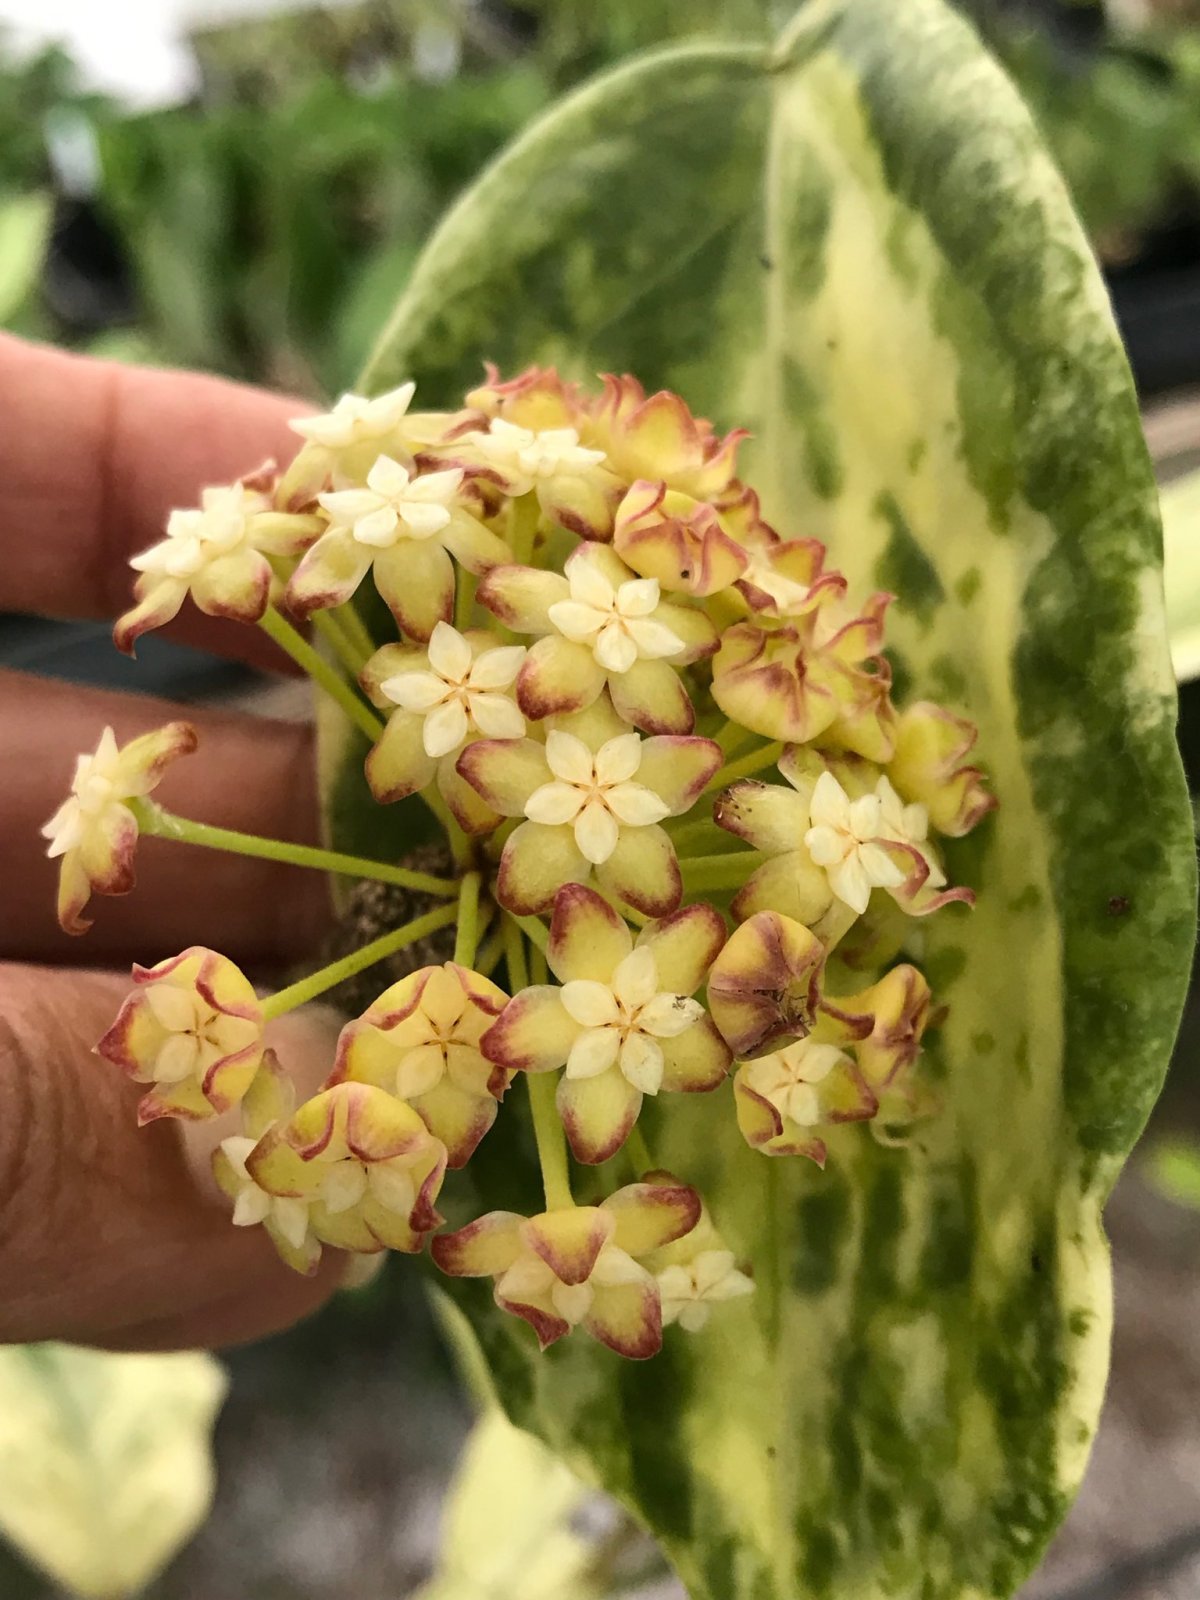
836,834
591,807
193,1029
659,439
458,688
420,1040
572,484
365,1164
600,624
803,678
623,1024
219,554
93,832
676,540
765,987
404,528
900,1006
269,1101
536,398
578,1266
929,766
344,444
782,1097
781,577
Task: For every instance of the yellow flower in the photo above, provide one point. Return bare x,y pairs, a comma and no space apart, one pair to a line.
193,1029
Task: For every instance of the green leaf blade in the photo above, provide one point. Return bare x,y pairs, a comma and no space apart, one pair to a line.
857,247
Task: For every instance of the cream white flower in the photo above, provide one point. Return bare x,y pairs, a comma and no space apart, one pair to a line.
595,793
546,453
253,1204
460,694
94,831
788,1078
394,505
615,621
623,1020
218,527
846,837
690,1290
355,420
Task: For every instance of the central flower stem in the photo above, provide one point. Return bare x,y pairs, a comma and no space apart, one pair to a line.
524,514
547,1128
467,939
318,669
765,756
331,628
306,989
153,820
727,871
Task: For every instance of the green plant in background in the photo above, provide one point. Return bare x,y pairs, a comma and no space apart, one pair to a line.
852,241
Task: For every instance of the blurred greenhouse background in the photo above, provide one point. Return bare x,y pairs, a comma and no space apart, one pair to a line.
262,227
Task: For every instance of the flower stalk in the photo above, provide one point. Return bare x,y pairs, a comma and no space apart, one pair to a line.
317,983
154,820
310,661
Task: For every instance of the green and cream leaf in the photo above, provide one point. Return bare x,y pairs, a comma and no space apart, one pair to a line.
856,245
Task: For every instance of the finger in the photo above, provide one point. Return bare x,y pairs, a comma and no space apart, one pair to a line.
249,773
93,457
114,1234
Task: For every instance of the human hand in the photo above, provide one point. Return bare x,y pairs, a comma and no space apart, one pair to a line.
111,1234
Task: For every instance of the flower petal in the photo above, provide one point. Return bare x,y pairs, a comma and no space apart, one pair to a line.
651,1215
505,772
483,1249
791,884
696,1060
535,864
397,764
596,832
587,937
597,1114
684,945
627,1317
328,573
652,697
569,1241
765,815
522,596
677,769
558,676
416,579
643,872
534,1032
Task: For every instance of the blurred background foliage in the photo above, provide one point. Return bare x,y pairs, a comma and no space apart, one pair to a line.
264,229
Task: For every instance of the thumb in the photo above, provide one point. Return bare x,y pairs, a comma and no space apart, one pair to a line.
113,1234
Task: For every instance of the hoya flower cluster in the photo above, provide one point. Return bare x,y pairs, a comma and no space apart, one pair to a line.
682,808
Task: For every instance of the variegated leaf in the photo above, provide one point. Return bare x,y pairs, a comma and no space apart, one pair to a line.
856,245
105,1465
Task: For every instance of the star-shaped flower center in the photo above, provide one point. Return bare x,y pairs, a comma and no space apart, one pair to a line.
394,505
624,1019
846,837
616,621
355,420
594,792
461,693
196,1033
546,453
690,1290
789,1078
348,1182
